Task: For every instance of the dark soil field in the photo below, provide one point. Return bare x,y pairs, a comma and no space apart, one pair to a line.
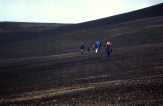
50,71
133,76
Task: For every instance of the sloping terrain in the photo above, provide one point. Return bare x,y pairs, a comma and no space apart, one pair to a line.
44,67
38,39
123,34
24,26
133,76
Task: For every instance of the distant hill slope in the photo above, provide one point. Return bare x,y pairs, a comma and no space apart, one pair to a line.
32,39
152,11
26,26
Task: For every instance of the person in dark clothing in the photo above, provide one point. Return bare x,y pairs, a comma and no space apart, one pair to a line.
108,51
88,48
82,48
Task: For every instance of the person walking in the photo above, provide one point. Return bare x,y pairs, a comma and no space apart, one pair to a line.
97,46
82,48
108,49
88,48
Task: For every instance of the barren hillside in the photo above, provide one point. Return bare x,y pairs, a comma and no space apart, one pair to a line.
46,68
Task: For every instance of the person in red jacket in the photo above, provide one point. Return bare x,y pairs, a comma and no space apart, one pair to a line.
108,49
109,44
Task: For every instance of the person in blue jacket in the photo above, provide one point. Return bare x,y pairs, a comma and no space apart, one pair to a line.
97,46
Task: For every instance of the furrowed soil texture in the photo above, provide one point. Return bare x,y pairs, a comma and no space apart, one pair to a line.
131,77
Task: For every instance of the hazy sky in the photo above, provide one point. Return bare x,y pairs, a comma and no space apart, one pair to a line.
67,11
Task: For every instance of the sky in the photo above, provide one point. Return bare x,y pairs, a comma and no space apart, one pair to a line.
67,11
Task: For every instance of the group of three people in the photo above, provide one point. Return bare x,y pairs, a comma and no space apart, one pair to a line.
96,46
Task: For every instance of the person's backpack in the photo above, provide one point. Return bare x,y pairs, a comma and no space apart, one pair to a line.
98,43
108,43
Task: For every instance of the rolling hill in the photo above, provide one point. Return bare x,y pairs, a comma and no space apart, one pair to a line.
40,63
41,39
